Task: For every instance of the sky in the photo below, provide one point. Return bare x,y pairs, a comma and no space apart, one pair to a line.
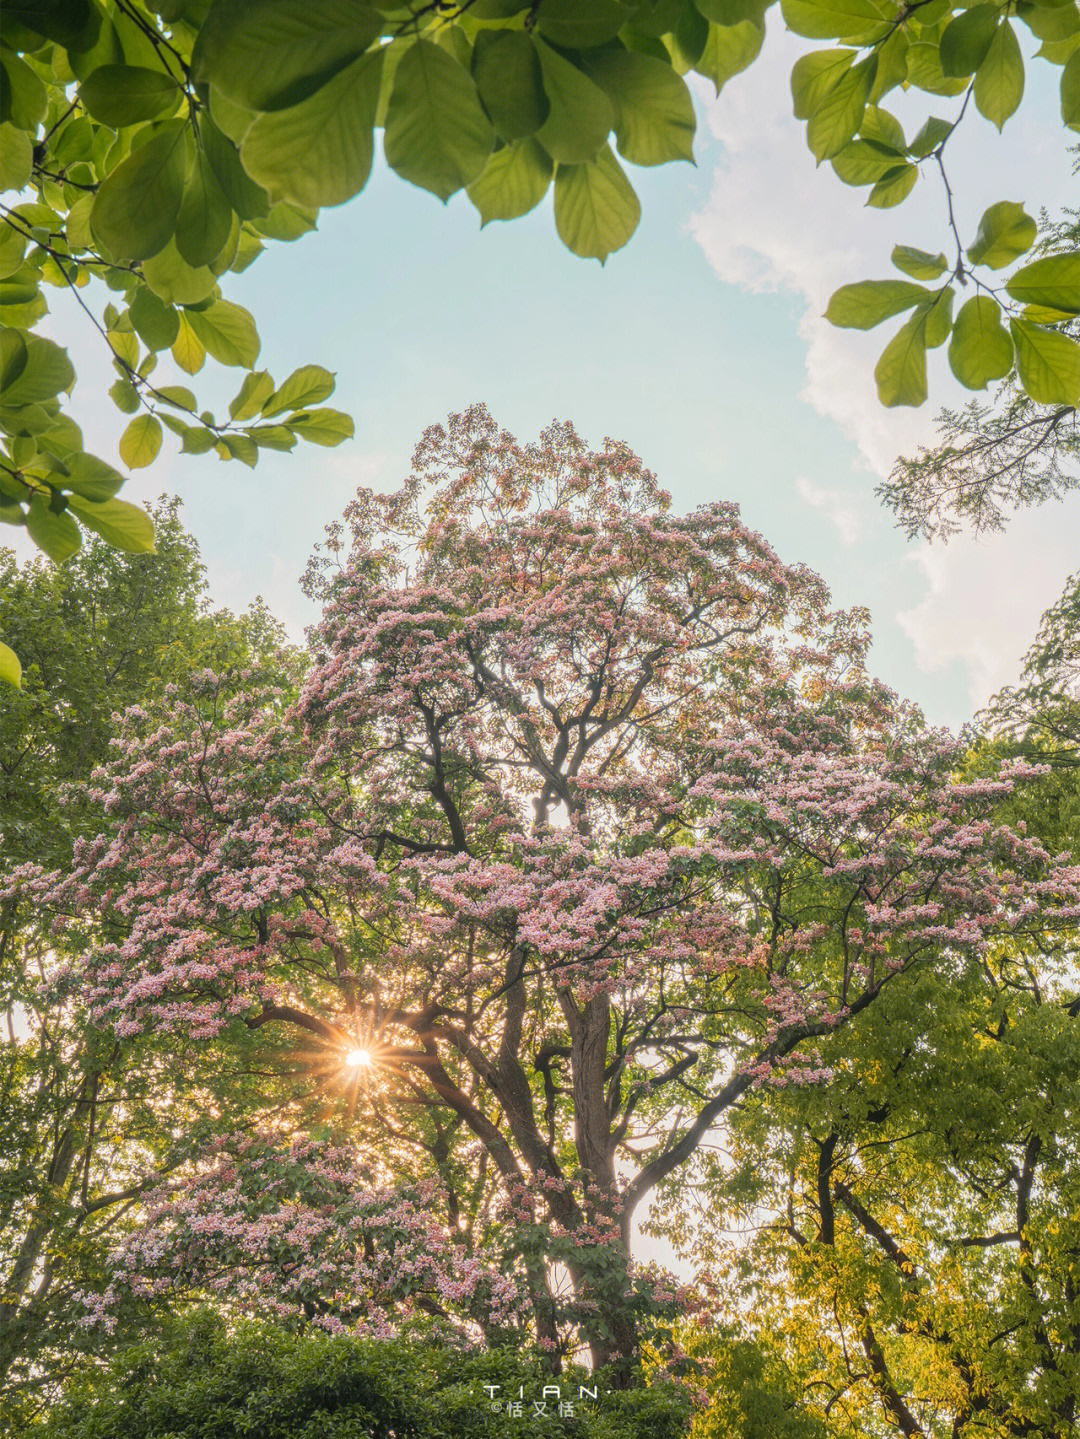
700,344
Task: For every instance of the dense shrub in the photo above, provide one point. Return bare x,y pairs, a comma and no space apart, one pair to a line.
204,1381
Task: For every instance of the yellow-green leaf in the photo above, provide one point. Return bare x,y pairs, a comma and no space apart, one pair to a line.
140,442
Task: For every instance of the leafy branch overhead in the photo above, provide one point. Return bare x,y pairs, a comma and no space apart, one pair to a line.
157,147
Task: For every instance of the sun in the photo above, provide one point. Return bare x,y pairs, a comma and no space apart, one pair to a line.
358,1058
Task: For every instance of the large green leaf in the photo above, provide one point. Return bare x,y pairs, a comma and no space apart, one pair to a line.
596,209
205,220
1006,231
252,395
156,323
271,54
92,478
71,23
1053,281
918,263
140,442
136,209
437,134
1048,363
901,371
320,151
46,371
581,116
1070,92
514,181
966,40
124,526
23,97
227,332
980,349
10,668
309,385
815,76
172,279
119,95
322,427
578,26
654,114
510,81
13,358
54,532
835,19
839,113
999,80
866,304
250,201
728,50
16,158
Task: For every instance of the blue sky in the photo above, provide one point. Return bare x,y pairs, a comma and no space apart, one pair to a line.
698,344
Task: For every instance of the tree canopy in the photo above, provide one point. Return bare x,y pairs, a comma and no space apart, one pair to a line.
163,145
585,838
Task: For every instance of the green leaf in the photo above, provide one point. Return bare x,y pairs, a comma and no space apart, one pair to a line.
227,332
16,158
834,19
933,133
437,135
596,209
135,211
10,668
156,323
999,80
253,394
894,187
1048,363
514,181
925,73
71,23
319,152
119,95
178,395
46,371
322,427
938,315
901,372
55,533
205,219
140,442
309,385
1070,92
12,249
124,396
729,49
188,350
271,54
92,478
581,116
815,76
249,200
172,279
919,264
966,40
1006,231
864,162
980,349
23,97
654,114
866,304
884,128
578,27
273,437
242,448
13,358
840,111
197,440
123,526
1053,281
510,82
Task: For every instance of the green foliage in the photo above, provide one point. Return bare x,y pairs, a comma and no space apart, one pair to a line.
203,1382
157,148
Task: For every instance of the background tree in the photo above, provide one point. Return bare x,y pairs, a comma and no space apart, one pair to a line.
82,1124
588,826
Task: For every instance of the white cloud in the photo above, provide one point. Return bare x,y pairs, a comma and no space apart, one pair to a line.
838,506
773,222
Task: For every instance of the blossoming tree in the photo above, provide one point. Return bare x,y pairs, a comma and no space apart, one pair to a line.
588,823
